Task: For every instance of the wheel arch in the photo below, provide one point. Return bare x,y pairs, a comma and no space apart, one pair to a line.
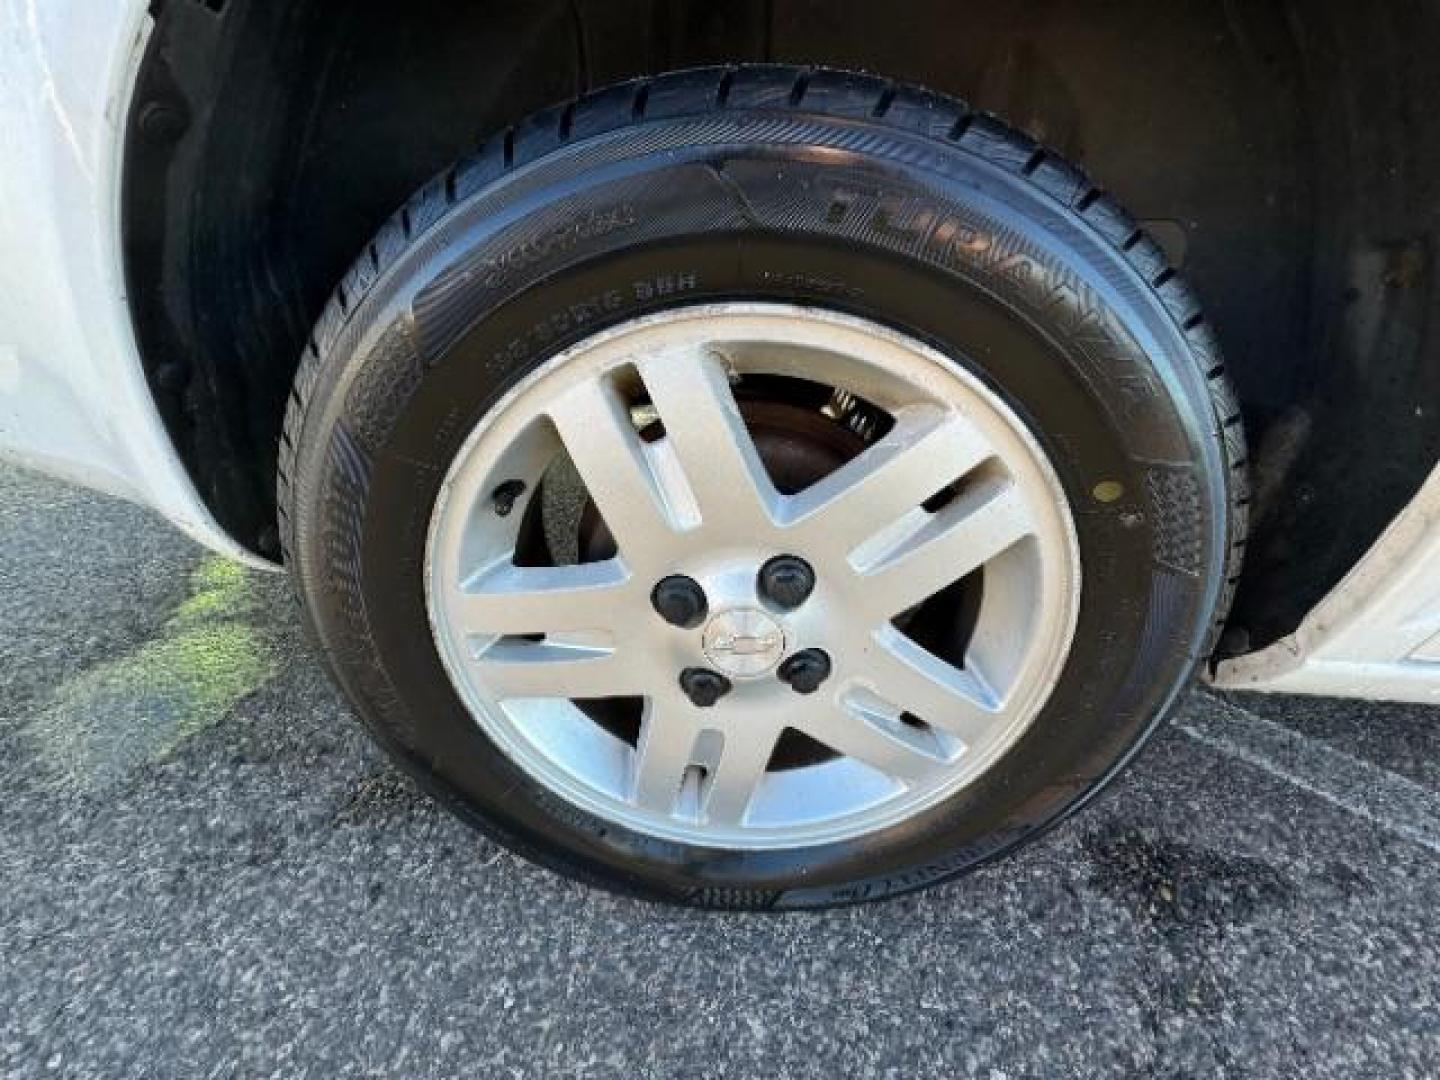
1279,155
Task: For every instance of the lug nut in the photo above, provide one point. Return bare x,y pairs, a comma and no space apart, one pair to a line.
786,581
680,601
806,670
704,687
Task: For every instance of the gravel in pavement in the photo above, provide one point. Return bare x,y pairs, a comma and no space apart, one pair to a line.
207,871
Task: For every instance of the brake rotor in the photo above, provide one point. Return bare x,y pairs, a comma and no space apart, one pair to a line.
798,444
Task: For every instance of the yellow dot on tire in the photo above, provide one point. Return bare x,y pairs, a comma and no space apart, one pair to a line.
1107,491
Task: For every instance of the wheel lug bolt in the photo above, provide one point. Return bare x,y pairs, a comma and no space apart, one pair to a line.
786,581
806,670
704,687
680,601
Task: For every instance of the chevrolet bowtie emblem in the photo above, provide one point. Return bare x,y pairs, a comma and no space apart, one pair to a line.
744,642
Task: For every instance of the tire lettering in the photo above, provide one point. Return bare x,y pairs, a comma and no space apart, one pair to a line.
582,313
1103,349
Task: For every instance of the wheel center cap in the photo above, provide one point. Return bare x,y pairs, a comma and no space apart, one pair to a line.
743,642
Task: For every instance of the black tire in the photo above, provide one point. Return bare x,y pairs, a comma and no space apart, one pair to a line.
704,185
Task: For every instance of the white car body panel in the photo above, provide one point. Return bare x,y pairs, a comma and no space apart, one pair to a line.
74,400
1377,635
73,396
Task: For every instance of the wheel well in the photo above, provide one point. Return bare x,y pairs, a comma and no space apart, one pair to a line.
1281,154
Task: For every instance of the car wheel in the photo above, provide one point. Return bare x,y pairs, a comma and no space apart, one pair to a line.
762,487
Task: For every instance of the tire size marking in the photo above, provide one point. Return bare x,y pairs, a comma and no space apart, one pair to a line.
587,311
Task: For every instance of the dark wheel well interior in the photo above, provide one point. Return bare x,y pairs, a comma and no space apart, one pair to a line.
1282,153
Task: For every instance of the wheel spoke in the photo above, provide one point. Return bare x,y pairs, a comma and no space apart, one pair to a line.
922,553
709,440
862,728
737,775
617,469
927,449
667,739
509,599
510,668
911,679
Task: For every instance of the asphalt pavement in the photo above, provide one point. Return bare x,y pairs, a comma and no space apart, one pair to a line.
207,871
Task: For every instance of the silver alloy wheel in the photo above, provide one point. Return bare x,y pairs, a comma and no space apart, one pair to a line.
646,413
